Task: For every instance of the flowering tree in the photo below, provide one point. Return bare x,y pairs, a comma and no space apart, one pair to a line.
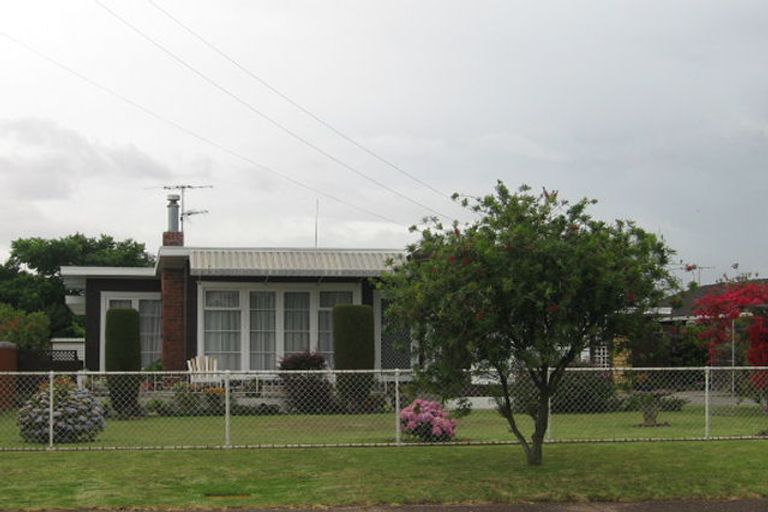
532,283
745,301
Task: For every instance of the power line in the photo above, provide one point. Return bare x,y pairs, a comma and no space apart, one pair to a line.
294,103
261,114
191,133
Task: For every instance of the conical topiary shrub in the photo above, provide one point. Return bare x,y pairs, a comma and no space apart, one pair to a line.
123,354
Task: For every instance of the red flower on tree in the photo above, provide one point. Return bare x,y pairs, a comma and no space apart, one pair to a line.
717,311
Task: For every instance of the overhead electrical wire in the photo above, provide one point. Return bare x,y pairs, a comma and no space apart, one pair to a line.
293,102
192,133
261,114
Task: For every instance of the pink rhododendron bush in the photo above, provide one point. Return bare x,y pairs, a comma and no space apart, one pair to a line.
428,421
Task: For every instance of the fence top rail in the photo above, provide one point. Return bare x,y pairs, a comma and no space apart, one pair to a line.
663,369
273,373
221,373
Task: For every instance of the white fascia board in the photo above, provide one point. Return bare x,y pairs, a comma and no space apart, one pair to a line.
74,278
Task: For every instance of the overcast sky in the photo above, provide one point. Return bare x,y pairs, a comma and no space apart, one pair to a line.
658,109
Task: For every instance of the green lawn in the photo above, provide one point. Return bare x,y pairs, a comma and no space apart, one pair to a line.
380,428
365,476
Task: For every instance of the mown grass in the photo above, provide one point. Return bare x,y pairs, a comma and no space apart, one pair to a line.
380,428
367,476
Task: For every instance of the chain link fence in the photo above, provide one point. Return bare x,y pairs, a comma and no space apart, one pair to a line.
143,410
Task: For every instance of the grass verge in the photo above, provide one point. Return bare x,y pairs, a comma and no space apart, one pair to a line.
367,476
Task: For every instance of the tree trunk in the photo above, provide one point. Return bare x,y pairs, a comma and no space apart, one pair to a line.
535,454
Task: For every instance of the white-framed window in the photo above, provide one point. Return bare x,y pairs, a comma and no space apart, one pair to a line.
222,335
149,306
325,322
263,349
251,326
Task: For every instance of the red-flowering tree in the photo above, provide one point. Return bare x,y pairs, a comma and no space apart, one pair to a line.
744,301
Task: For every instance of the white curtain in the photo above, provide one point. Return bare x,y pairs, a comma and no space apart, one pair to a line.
296,322
149,331
263,355
222,329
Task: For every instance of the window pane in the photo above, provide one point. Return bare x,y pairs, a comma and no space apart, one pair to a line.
229,299
149,331
325,322
297,300
296,342
263,354
262,300
222,320
325,342
222,338
120,304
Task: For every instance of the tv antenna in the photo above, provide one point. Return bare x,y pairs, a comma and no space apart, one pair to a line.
695,270
182,191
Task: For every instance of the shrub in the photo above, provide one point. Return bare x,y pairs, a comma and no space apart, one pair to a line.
77,415
666,403
123,354
160,407
427,421
353,341
26,330
186,401
307,393
586,392
213,400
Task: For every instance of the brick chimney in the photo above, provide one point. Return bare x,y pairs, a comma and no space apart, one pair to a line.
173,236
173,286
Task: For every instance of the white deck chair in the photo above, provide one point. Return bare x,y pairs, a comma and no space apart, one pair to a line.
202,370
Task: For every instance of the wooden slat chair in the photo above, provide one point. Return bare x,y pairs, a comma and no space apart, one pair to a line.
200,369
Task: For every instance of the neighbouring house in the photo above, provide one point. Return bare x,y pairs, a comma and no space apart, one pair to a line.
246,307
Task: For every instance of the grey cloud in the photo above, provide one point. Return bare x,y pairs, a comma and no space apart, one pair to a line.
42,160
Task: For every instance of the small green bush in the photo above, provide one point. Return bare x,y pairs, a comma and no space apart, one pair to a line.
586,392
123,354
353,339
77,415
307,393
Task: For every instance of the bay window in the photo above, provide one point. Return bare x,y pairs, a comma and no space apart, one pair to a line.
252,327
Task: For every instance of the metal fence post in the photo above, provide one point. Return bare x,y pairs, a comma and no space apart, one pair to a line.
548,433
50,410
397,406
227,413
706,403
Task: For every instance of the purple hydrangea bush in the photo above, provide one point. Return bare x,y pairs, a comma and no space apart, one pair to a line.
428,421
77,415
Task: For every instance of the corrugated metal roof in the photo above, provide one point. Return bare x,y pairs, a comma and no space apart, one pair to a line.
290,262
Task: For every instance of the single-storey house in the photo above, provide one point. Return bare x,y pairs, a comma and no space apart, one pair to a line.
246,307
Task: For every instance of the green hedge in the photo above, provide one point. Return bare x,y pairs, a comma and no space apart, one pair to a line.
123,354
354,349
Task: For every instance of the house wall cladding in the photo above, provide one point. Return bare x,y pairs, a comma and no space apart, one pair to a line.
93,290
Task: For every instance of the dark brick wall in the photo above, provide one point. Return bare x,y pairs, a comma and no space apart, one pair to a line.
173,296
173,238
